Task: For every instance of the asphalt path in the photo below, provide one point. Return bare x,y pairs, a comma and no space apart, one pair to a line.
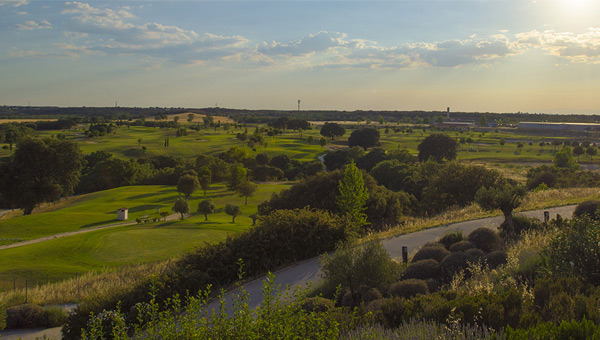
305,272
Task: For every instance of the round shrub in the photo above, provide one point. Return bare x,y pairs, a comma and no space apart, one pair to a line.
435,253
375,305
476,253
371,295
462,246
589,208
485,239
433,244
495,258
424,269
317,304
26,316
408,288
347,299
521,223
451,238
433,285
455,262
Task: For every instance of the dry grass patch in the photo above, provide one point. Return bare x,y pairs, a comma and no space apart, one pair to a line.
89,284
558,197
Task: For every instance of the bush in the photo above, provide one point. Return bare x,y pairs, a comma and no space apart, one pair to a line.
476,253
451,237
408,288
575,249
462,246
495,259
521,224
26,316
2,317
589,208
435,253
433,285
317,304
424,269
455,262
485,239
371,295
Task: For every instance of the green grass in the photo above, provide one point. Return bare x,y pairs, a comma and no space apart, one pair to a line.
115,247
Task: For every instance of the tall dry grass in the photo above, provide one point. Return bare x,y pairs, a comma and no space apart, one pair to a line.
74,290
558,197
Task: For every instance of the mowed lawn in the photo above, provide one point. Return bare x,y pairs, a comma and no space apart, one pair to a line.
115,247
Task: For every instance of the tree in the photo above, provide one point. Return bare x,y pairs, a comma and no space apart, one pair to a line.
206,207
578,151
246,190
233,211
190,117
502,142
592,151
437,146
187,185
323,142
41,171
353,195
520,146
332,130
176,119
237,176
564,159
139,141
181,207
503,195
204,178
364,137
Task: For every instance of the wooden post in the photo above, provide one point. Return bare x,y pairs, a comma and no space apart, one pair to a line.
404,254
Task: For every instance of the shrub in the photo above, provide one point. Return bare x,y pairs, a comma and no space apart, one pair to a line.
433,285
589,208
455,262
495,258
575,249
434,244
462,246
423,269
55,316
26,316
476,253
408,288
317,304
451,237
371,295
2,317
521,224
435,253
485,239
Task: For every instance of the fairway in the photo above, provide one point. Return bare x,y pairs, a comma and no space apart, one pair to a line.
62,258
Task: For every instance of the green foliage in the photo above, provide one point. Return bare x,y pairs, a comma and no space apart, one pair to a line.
495,259
566,330
575,248
451,237
358,269
521,224
366,137
504,196
187,185
589,208
564,159
317,304
423,269
485,239
33,316
332,130
206,207
31,180
233,211
437,147
237,176
462,246
436,253
181,207
2,317
353,195
246,190
454,263
408,288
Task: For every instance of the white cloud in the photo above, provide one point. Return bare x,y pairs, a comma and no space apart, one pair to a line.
32,25
14,3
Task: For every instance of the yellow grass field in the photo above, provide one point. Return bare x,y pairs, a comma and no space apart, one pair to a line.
198,118
5,121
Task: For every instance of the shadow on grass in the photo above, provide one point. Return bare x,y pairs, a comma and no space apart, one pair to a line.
150,208
137,197
99,223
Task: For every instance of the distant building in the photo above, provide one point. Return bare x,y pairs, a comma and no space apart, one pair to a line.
559,126
456,125
122,214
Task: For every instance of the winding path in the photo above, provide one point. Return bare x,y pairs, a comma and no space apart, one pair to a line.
307,271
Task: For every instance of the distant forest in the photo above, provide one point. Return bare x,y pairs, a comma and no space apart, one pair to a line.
266,116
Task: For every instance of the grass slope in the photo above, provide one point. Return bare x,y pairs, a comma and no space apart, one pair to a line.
62,258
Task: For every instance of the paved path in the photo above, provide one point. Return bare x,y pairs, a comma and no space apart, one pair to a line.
309,271
70,233
2,212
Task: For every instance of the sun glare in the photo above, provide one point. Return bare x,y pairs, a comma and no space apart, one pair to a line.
577,6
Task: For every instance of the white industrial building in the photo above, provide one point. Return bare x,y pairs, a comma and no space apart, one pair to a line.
559,126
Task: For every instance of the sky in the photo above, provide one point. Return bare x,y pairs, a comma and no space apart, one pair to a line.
479,55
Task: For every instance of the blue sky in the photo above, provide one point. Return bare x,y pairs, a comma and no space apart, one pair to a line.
497,56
